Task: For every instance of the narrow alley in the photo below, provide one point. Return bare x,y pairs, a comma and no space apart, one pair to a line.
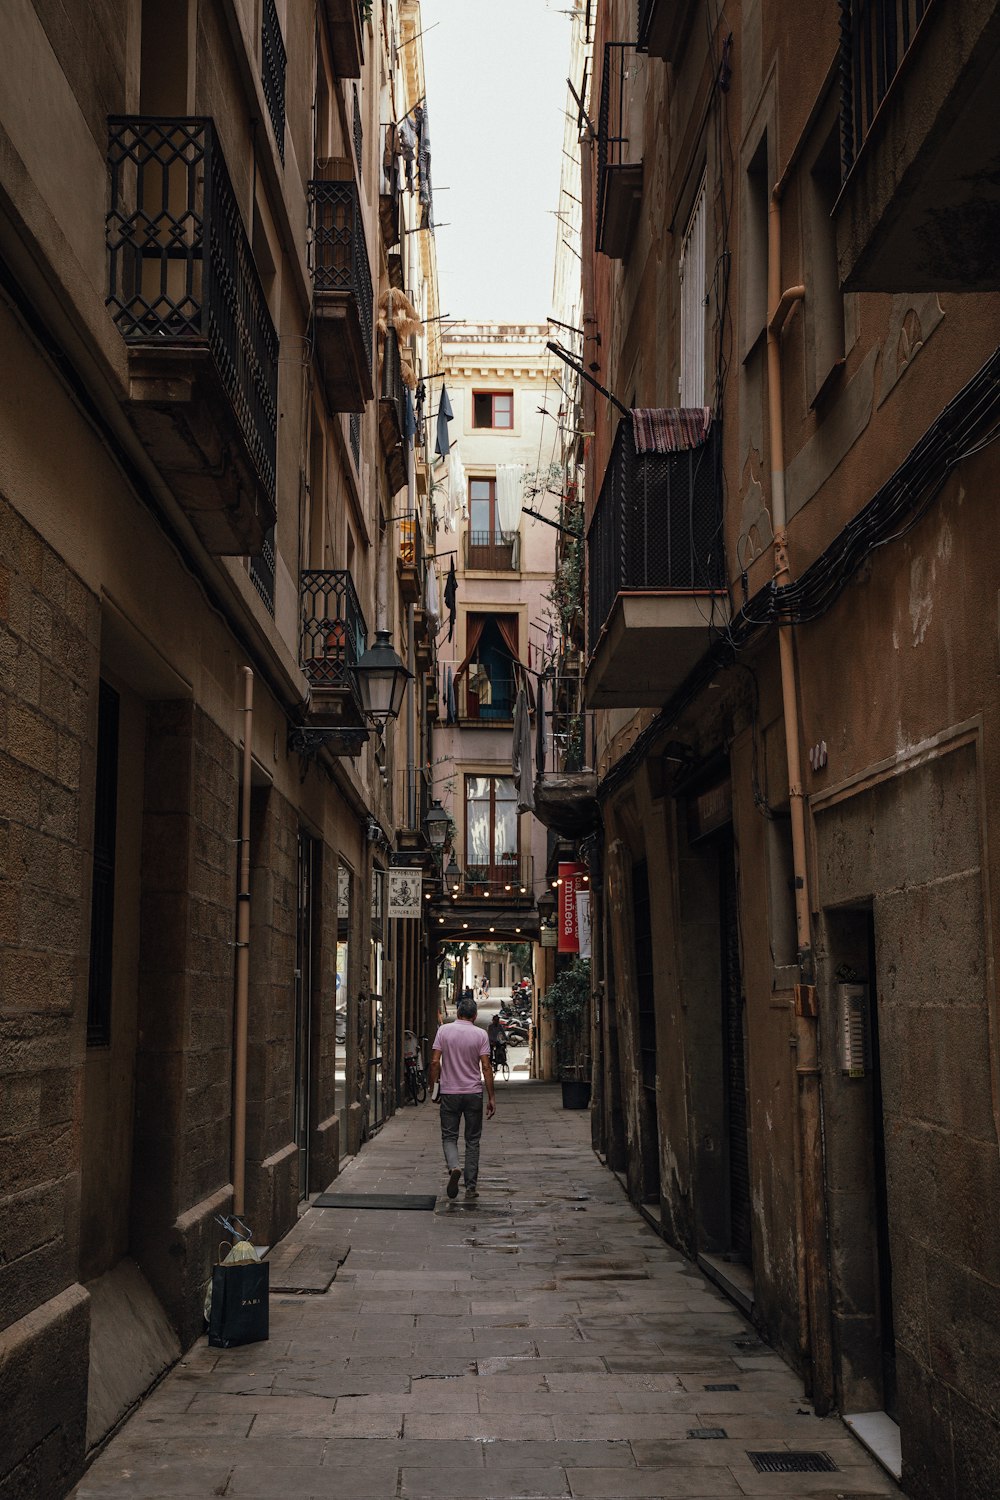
543,1342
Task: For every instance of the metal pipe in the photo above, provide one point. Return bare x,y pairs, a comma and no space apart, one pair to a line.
240,1022
812,1264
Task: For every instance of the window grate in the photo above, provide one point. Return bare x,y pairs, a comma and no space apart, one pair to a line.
272,71
792,1463
708,1433
262,568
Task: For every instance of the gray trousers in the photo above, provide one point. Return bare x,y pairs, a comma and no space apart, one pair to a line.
455,1107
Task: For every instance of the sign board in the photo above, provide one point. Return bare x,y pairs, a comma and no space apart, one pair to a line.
583,922
710,810
547,937
405,893
571,881
343,892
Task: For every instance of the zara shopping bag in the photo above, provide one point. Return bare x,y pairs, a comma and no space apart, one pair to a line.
239,1313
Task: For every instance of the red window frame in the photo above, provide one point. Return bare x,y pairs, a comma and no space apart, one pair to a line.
493,424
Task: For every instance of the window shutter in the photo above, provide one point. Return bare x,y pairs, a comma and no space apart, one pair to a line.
692,275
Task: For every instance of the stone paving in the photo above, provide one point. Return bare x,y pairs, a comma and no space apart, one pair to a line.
542,1342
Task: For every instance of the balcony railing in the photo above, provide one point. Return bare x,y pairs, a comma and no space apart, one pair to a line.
570,740
272,68
875,36
410,567
656,526
499,709
503,879
493,552
182,272
343,287
333,630
619,164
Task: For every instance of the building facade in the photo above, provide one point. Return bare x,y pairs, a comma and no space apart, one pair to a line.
496,493
216,260
791,649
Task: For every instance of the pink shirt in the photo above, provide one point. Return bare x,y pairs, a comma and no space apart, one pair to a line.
461,1045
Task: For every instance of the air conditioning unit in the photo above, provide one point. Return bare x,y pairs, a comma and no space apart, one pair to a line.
852,1002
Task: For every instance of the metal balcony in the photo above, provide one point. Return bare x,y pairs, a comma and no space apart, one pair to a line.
272,71
920,206
342,289
663,27
619,160
655,571
184,293
506,882
392,413
566,786
345,32
333,636
492,552
410,562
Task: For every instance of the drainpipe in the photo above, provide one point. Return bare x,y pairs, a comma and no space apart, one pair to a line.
812,1261
242,961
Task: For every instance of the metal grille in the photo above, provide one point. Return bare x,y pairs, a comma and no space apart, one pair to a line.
262,566
875,36
708,1434
339,250
354,431
359,130
393,389
102,899
657,524
333,630
181,269
507,880
612,137
494,552
792,1463
272,71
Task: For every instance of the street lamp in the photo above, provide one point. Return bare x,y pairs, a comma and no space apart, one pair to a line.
381,680
546,907
453,875
436,825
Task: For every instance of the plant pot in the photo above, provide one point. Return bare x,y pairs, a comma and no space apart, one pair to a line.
576,1093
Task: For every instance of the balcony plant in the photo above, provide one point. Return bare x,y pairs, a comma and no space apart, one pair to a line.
567,999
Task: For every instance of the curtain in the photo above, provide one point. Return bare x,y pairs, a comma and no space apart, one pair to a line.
475,624
509,492
507,626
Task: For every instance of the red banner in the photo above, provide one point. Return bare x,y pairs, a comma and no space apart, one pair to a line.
570,881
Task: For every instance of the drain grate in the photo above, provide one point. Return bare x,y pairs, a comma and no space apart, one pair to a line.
707,1432
725,1386
793,1463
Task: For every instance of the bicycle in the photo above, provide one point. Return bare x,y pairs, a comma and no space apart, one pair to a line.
498,1062
414,1077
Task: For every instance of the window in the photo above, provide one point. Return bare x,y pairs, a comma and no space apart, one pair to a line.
102,899
487,546
493,409
492,828
489,683
691,384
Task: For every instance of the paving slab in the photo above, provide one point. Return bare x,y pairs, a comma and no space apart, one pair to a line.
542,1344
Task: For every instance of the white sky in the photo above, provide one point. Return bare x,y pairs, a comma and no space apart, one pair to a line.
496,72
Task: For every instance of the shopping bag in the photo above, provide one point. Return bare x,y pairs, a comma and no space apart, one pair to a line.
239,1312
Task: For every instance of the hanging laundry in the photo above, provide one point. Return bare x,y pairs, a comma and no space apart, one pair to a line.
450,596
524,779
406,147
458,490
423,166
670,429
420,396
445,415
452,706
431,604
409,417
550,641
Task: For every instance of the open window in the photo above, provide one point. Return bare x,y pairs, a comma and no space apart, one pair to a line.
493,409
491,672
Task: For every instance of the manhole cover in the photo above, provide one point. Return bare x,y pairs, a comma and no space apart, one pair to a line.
792,1463
726,1386
706,1432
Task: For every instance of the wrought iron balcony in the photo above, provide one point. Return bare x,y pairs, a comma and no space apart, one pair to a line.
920,205
345,31
655,570
333,633
492,551
410,563
663,27
342,289
566,785
504,880
272,69
492,708
184,293
392,413
619,162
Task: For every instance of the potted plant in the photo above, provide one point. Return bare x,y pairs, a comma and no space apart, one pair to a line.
568,1000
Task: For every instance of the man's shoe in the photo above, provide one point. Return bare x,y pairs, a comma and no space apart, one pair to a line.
472,1192
453,1177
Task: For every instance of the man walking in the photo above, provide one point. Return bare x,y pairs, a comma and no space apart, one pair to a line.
461,1060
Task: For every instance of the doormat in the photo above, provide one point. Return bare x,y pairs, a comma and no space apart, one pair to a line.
306,1269
396,1201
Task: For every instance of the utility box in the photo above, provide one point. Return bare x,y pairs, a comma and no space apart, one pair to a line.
852,1001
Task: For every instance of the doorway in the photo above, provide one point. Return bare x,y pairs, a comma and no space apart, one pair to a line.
737,1129
304,948
880,1227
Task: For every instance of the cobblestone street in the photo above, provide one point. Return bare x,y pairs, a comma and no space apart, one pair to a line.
541,1342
